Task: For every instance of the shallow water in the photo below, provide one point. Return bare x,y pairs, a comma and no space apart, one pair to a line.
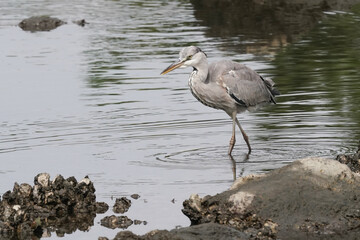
90,101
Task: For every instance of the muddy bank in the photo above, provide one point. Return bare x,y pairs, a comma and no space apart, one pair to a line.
62,204
311,198
308,199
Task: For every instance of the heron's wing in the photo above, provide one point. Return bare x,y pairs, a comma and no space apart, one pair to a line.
244,85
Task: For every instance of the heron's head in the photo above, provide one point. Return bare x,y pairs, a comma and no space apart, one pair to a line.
188,57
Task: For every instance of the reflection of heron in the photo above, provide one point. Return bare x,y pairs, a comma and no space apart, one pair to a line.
225,85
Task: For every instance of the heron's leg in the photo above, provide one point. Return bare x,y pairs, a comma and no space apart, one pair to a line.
234,166
232,140
246,138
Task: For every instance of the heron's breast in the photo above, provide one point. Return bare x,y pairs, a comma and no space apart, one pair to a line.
211,95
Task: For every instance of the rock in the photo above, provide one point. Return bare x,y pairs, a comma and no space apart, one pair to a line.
116,222
306,199
122,205
81,22
85,180
42,179
127,235
351,160
137,222
25,190
103,238
40,23
135,196
61,204
101,207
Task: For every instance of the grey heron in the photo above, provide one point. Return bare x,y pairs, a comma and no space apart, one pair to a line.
226,85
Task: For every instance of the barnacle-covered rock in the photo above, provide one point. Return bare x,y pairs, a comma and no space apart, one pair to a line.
63,204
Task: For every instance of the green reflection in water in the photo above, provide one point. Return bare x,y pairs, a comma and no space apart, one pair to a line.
322,71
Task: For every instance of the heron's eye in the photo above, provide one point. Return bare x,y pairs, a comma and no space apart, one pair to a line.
189,57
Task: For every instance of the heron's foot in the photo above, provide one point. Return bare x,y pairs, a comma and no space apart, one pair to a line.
246,138
232,144
249,150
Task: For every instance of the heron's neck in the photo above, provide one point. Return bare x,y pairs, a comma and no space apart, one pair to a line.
202,71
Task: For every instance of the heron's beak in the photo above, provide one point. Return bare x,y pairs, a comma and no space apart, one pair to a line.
172,67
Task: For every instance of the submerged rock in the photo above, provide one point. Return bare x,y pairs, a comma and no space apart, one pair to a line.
135,196
122,205
40,23
61,204
81,22
116,222
101,207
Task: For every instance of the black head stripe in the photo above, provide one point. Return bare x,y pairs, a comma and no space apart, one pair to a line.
199,50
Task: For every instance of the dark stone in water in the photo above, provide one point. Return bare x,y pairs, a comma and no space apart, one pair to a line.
62,204
122,205
135,196
40,23
103,238
81,22
137,222
101,207
116,222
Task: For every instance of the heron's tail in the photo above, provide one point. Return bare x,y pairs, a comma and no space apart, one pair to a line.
270,85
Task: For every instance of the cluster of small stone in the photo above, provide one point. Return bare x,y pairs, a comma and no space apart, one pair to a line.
62,204
201,211
121,206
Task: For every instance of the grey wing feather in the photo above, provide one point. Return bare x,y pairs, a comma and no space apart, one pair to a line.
244,85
